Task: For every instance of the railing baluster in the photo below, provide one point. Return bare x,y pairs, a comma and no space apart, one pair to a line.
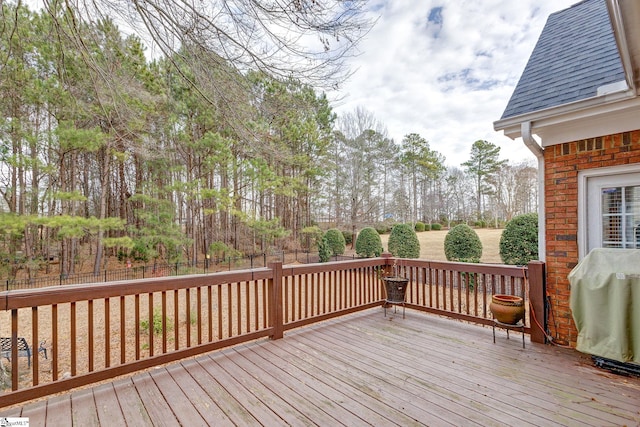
164,321
150,319
36,342
210,311
14,349
73,338
107,334
123,331
229,311
137,324
54,343
298,285
265,305
256,307
285,299
187,316
219,297
176,319
238,308
199,314
90,337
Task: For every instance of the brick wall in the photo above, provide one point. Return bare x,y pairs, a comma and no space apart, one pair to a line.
562,164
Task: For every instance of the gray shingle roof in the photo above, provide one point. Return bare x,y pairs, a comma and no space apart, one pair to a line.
575,54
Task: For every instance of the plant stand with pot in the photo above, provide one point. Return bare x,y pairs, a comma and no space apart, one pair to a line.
508,313
396,288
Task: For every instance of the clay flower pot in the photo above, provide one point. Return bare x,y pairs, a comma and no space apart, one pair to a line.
507,309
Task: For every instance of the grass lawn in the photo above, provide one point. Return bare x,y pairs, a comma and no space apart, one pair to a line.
432,244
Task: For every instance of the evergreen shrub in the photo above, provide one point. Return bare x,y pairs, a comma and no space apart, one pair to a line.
462,244
368,243
519,240
419,227
348,237
324,251
403,242
336,241
435,226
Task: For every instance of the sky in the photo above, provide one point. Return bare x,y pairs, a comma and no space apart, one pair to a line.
445,69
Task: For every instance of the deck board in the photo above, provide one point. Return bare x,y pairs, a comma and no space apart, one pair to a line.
202,402
83,408
362,369
160,410
58,410
133,409
181,404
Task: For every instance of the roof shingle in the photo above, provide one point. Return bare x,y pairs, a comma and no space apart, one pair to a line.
575,55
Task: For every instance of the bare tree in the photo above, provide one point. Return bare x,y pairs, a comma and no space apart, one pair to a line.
305,39
360,140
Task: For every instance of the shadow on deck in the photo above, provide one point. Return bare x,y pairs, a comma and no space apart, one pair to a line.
360,369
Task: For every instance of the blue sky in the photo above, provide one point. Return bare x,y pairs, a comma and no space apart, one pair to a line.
445,69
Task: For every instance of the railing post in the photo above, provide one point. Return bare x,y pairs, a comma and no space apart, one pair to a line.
537,292
275,305
388,264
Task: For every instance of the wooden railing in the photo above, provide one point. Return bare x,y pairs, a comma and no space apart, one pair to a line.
97,332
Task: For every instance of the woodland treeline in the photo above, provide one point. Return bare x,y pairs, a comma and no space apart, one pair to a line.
107,152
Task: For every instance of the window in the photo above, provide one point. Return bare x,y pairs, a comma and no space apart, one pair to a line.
609,208
621,217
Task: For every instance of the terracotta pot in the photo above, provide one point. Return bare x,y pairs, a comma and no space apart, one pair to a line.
396,288
507,309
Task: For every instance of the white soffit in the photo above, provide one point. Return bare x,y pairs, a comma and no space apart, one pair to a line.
604,115
616,118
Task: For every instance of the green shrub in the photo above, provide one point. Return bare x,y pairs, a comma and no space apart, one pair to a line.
519,240
419,227
368,243
436,226
382,229
336,241
140,251
403,242
348,237
324,251
462,244
427,227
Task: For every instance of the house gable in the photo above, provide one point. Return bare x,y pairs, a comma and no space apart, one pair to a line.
575,55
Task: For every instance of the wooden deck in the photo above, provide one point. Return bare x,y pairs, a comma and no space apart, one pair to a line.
362,369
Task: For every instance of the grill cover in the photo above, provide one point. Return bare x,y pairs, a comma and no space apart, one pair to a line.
605,303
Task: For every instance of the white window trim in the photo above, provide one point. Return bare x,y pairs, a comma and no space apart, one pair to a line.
583,177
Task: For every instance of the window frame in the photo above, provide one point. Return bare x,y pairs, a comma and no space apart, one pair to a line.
613,176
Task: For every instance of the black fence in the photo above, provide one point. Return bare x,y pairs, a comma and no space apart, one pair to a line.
162,270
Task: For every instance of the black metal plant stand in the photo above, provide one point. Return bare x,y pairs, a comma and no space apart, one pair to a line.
508,326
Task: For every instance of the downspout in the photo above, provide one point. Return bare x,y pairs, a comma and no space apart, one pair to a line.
538,151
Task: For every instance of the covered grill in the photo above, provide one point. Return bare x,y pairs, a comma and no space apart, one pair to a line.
605,303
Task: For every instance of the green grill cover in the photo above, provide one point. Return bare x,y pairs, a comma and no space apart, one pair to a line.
605,303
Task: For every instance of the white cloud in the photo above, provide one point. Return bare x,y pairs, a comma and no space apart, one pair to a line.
446,69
